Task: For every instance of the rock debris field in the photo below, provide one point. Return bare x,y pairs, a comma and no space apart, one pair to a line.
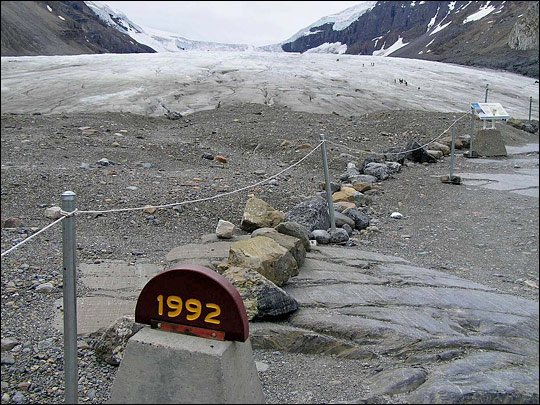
439,305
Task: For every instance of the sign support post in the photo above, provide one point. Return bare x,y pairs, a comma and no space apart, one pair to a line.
328,188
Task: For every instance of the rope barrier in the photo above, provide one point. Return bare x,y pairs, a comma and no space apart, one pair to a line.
76,212
34,235
207,198
402,152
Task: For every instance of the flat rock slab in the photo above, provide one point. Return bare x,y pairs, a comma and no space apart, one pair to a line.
113,287
450,340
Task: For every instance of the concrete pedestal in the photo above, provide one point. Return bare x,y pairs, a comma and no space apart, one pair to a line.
489,142
162,368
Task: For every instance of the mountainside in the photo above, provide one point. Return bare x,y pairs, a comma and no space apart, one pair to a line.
160,41
59,28
494,34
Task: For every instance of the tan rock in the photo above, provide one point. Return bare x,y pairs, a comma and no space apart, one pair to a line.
305,146
435,153
439,146
362,186
265,256
221,159
149,209
286,144
292,244
346,194
259,214
345,205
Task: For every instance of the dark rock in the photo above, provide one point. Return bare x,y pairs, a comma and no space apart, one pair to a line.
378,170
361,220
262,298
338,235
342,219
418,154
368,160
208,156
312,214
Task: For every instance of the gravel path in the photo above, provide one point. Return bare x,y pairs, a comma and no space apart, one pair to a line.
487,236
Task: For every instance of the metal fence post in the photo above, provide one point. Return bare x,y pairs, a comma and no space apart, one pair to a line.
328,188
472,132
70,299
487,89
530,108
453,149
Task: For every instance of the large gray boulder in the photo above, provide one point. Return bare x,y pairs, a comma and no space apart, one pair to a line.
262,298
265,256
296,230
259,214
313,214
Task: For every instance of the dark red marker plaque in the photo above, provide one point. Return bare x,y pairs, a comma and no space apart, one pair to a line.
194,300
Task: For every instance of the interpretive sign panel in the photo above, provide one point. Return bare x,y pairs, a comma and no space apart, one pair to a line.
193,300
490,111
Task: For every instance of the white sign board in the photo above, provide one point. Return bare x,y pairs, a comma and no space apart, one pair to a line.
490,111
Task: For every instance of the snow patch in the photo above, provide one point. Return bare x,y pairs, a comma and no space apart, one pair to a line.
49,8
432,21
440,27
386,52
339,20
62,18
481,13
452,5
327,47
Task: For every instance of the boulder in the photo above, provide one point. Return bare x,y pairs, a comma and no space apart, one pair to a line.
259,214
393,167
417,153
53,213
350,195
445,149
296,230
333,187
312,214
338,235
321,236
364,178
261,231
368,160
342,219
291,243
466,139
11,223
112,343
435,153
378,170
395,154
225,229
265,256
361,220
362,186
350,172
262,298
342,206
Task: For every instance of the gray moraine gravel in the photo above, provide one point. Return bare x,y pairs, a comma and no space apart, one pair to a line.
483,235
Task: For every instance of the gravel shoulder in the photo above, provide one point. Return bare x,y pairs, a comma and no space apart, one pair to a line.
483,235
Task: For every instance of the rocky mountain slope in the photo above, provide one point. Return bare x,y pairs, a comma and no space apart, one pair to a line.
494,34
59,28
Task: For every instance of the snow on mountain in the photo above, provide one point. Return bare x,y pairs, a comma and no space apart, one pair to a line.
160,41
340,20
335,47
